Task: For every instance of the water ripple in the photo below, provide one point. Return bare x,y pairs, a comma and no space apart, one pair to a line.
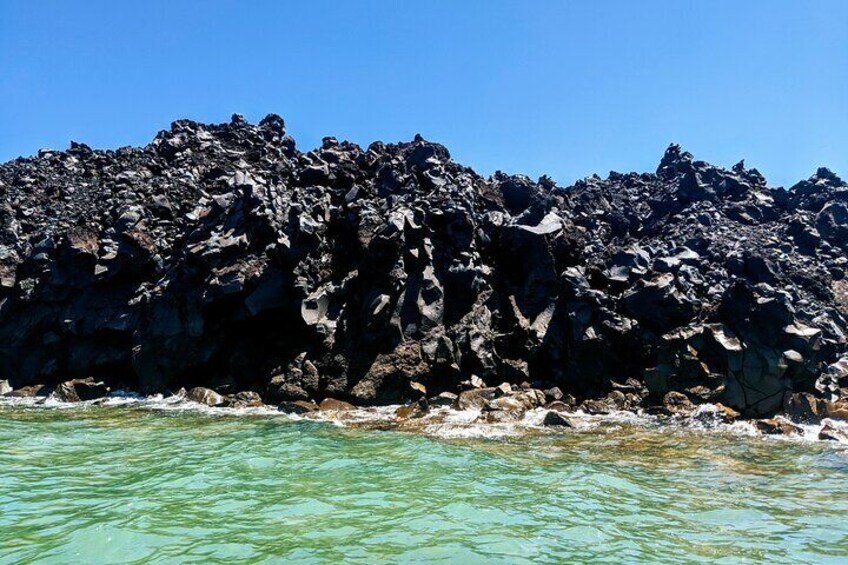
127,485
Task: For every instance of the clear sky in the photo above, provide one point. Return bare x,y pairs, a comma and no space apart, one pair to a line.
562,88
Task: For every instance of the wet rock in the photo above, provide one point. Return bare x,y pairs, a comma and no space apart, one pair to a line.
205,396
413,410
475,398
559,406
678,403
829,432
555,419
837,410
553,394
297,407
777,426
333,405
803,407
244,399
715,413
80,390
592,406
443,399
30,391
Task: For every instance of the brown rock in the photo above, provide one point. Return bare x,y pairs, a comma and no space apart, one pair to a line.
474,398
559,406
837,410
830,433
597,406
803,407
30,391
413,410
553,393
678,403
205,396
443,399
777,426
298,406
333,405
245,399
80,389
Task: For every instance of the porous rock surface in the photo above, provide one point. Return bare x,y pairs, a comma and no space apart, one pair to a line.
221,256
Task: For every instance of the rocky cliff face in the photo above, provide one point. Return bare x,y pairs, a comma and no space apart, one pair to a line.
221,256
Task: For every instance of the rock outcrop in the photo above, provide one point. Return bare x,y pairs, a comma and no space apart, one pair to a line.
221,256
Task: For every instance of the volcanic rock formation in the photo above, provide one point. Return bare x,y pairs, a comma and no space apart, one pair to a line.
221,256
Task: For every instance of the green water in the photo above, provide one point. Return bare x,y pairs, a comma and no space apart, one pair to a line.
126,485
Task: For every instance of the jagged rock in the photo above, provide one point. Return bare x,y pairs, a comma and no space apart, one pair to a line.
803,407
554,418
475,398
443,399
205,396
777,426
78,390
222,250
390,376
554,393
30,391
829,432
413,410
678,403
837,410
244,399
559,406
715,413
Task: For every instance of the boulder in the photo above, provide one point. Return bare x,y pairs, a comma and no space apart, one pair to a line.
333,405
829,432
413,410
678,403
804,408
297,407
205,396
443,399
30,391
80,390
244,399
555,419
475,398
777,426
5,387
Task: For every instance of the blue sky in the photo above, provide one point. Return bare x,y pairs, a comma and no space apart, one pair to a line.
560,88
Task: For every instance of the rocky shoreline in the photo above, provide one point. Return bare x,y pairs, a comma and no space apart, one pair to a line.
222,260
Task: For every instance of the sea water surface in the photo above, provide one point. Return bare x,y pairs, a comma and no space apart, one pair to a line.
132,484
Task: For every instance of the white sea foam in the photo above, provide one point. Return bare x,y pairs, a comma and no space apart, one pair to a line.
441,422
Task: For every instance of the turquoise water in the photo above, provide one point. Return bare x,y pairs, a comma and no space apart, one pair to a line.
132,485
